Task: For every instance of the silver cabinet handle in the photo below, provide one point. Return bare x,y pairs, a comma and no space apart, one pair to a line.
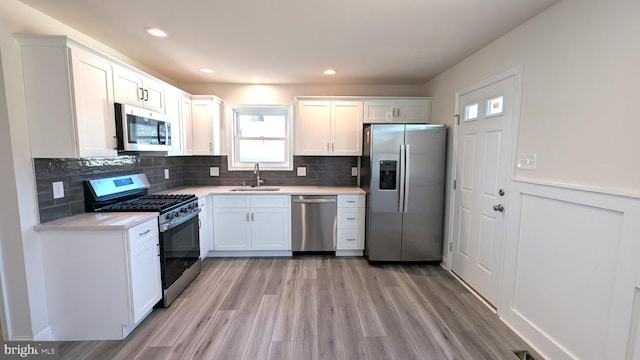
349,218
247,217
397,112
140,94
253,217
146,95
350,239
351,201
333,147
145,233
327,147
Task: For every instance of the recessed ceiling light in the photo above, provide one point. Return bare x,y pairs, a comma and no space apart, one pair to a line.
156,32
205,70
256,80
329,72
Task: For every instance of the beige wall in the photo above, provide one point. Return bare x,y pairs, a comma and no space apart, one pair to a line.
579,95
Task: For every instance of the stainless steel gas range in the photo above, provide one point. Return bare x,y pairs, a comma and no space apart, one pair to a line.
177,222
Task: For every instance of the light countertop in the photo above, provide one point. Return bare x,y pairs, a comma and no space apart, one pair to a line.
283,190
98,221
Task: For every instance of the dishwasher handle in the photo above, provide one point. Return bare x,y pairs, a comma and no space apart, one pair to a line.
313,201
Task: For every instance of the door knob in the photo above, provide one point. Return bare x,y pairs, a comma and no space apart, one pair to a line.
501,192
498,207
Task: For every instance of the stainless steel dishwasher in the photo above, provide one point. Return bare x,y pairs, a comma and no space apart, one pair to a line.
313,223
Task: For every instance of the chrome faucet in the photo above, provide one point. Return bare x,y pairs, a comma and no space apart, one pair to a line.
256,172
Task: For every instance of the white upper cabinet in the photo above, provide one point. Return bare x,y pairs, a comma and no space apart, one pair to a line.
135,88
69,98
205,116
178,112
397,110
329,127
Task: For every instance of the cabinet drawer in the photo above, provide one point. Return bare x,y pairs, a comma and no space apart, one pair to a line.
350,217
350,238
231,201
354,201
141,233
270,201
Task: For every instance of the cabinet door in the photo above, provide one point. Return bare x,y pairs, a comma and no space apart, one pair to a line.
205,219
346,128
173,104
206,127
128,87
270,229
153,95
231,229
413,111
313,128
187,127
95,114
146,285
379,112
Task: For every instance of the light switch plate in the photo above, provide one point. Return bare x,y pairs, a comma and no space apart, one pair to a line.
214,171
166,173
302,171
58,190
527,161
354,171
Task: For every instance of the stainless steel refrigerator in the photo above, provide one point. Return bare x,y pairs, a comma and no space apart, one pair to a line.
403,169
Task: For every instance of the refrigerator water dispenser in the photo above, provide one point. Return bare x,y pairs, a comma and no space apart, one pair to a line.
388,170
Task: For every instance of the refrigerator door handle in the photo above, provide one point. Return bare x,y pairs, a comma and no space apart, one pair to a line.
407,175
402,177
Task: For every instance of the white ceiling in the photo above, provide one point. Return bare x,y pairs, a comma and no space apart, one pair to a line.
293,41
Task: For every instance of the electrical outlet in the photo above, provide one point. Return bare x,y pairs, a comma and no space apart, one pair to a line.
526,161
214,171
166,174
58,190
302,171
354,171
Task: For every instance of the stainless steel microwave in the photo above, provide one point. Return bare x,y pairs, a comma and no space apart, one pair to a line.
138,129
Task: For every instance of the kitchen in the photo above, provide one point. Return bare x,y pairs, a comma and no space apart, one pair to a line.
560,121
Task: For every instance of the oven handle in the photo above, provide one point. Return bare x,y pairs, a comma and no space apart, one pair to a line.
165,227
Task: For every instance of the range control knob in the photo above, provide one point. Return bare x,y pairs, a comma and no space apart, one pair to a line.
169,216
176,214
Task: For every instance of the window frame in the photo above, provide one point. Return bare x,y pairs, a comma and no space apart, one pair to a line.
233,138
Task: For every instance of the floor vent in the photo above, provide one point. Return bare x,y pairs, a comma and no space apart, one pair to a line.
523,355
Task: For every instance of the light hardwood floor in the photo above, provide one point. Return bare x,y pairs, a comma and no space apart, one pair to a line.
315,308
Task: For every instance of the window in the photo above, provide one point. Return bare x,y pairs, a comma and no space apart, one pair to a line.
471,112
260,134
494,105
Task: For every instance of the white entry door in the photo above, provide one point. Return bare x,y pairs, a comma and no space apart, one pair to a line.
485,137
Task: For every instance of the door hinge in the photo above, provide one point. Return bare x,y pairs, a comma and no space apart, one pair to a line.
458,118
451,246
454,184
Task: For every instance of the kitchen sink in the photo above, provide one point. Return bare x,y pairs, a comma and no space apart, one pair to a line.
254,188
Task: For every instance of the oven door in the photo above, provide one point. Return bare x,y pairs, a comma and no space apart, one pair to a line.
179,249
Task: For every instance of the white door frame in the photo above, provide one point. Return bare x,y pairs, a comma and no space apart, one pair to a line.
516,72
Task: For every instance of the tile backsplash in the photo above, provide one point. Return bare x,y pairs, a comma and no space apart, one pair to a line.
183,171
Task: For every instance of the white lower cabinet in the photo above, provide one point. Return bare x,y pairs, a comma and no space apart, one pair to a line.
351,212
205,229
251,222
101,283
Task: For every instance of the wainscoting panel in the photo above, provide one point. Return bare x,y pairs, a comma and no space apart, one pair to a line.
567,284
